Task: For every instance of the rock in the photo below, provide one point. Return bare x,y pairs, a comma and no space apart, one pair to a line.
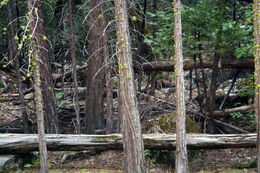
14,162
8,162
166,123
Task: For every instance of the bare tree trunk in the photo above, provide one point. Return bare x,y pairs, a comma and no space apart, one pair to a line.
14,56
94,118
210,105
109,96
132,135
181,149
35,47
49,99
74,68
257,75
190,84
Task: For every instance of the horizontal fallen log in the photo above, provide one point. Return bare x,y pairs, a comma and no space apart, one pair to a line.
189,64
58,77
242,109
23,143
11,130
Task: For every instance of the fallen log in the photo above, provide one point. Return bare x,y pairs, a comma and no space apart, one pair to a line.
23,143
189,64
58,77
242,109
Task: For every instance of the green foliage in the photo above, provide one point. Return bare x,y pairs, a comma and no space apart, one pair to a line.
147,153
237,115
200,24
34,162
246,117
61,101
247,87
250,164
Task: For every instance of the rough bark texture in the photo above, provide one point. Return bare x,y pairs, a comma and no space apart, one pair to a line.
35,47
74,68
50,108
94,118
13,54
132,133
23,143
181,149
257,75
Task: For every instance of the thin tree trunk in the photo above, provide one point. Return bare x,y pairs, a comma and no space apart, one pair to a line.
14,56
210,105
35,47
132,135
49,99
74,69
257,75
204,82
229,90
109,96
94,117
153,74
197,82
181,148
190,84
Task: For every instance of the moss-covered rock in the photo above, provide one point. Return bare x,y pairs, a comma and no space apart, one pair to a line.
166,123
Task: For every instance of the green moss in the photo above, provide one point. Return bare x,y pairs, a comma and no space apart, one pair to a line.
250,164
166,123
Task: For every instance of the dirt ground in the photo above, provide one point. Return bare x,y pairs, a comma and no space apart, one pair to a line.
205,161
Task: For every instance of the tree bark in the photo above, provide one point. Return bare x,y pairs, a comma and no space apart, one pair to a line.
132,133
14,55
181,164
24,143
74,68
36,57
94,118
49,99
257,75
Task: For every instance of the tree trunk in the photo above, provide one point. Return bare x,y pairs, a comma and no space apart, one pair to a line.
74,69
132,134
181,149
210,105
13,54
36,57
257,75
24,143
94,118
49,99
109,97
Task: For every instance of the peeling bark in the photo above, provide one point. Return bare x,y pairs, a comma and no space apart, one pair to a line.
181,149
24,143
132,133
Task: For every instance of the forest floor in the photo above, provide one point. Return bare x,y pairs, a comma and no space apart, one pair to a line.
206,161
203,161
